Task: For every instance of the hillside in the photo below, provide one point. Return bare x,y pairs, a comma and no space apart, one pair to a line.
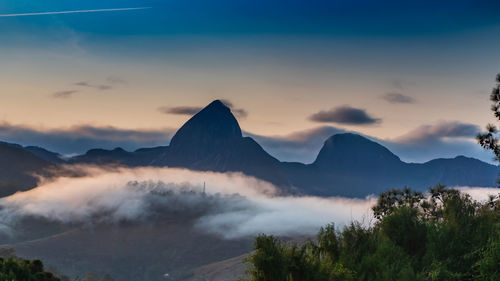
132,251
19,169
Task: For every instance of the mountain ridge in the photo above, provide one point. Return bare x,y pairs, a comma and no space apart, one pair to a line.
20,168
348,164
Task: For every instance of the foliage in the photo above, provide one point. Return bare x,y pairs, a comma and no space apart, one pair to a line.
25,270
443,235
489,139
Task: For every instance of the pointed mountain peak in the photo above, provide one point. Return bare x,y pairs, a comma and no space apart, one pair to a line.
347,150
208,130
215,121
217,105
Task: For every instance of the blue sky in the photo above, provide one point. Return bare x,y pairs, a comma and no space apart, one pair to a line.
280,61
340,17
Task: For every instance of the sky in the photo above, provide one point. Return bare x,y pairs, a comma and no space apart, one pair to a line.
414,75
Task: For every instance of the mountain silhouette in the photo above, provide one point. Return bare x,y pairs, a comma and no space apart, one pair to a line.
212,141
352,165
347,165
46,154
19,168
204,135
351,151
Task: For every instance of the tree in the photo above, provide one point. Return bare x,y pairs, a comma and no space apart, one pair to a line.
489,139
268,260
14,269
444,235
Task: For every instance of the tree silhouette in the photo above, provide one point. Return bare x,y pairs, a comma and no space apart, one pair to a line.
489,139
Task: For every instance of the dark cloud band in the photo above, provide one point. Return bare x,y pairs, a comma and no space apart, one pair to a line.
192,110
79,139
344,115
180,110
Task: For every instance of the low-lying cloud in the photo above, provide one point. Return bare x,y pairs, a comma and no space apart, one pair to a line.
231,206
344,115
241,205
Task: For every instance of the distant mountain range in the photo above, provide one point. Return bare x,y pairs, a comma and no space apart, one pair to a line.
19,167
347,165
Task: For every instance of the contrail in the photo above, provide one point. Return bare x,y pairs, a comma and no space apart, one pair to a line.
74,12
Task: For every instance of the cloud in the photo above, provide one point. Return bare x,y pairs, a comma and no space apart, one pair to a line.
116,80
79,139
64,94
73,12
227,102
450,148
192,110
445,139
397,98
240,112
480,194
84,84
232,206
440,131
344,115
180,110
401,84
419,145
101,87
303,146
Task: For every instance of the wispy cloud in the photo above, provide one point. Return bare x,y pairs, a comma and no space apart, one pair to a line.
110,83
394,97
439,131
192,110
401,84
89,85
64,94
180,110
240,112
74,12
116,80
